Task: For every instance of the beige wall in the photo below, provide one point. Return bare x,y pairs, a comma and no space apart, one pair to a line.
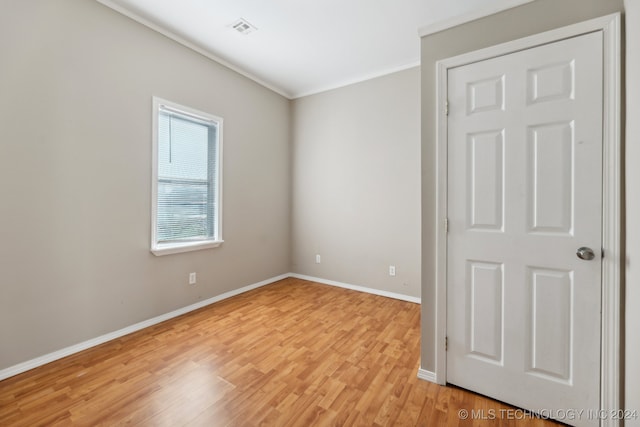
512,24
356,183
632,337
76,81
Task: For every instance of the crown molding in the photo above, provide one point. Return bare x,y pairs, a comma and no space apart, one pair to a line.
191,45
355,80
492,9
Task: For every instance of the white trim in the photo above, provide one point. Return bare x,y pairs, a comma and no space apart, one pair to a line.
610,398
76,348
492,9
189,44
442,165
379,292
178,248
356,80
612,263
423,374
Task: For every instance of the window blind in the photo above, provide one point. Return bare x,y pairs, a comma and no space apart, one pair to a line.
186,199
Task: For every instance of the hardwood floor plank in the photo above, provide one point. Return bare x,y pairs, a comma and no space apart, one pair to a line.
293,353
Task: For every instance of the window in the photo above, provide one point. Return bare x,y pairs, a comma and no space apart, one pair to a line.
187,152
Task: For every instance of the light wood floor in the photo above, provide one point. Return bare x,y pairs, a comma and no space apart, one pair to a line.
293,353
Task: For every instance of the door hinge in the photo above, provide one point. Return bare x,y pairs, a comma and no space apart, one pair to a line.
446,107
446,224
446,343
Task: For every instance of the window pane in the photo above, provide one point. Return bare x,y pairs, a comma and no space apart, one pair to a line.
186,178
183,210
183,148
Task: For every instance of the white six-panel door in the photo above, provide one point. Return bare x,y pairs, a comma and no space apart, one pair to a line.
525,193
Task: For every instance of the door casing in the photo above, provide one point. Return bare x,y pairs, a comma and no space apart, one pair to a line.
612,262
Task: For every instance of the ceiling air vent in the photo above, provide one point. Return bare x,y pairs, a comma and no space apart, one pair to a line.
243,27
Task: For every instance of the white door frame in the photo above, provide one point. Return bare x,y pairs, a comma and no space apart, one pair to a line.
612,261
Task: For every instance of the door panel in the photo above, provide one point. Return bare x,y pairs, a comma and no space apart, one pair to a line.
486,328
486,162
525,192
551,82
550,324
485,95
550,177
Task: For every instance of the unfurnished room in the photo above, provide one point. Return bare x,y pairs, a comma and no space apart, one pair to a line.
319,213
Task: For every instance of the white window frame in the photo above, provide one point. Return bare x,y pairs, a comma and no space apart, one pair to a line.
167,248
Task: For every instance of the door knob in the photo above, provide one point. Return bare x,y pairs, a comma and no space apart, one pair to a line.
585,253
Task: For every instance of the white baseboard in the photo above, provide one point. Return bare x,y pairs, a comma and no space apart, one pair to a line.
357,288
423,374
59,354
76,348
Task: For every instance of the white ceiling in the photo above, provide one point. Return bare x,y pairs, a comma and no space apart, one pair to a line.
305,46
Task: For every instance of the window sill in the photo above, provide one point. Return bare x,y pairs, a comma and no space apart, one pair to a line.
176,248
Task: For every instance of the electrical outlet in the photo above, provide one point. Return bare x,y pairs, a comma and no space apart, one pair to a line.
192,278
318,259
392,270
